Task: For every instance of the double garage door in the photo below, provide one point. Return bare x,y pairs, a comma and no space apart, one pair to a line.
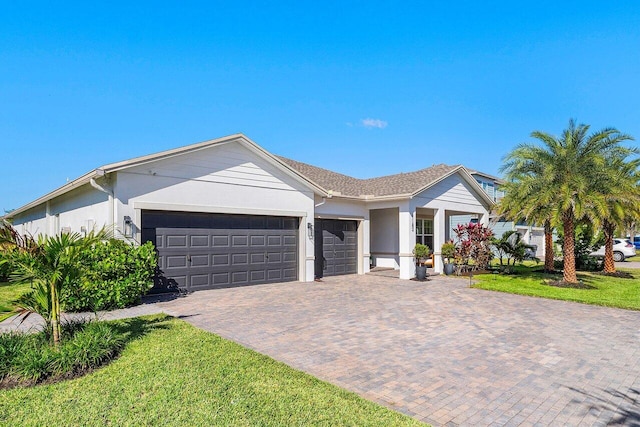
206,251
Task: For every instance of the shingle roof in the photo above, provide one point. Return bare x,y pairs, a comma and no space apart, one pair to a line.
398,184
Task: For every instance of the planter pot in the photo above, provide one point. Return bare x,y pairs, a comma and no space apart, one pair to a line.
449,269
421,272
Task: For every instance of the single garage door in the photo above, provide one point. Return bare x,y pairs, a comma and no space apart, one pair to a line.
206,251
336,247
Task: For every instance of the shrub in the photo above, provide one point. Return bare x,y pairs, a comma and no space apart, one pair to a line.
421,253
473,244
28,359
118,275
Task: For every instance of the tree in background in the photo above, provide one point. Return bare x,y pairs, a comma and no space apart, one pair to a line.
562,173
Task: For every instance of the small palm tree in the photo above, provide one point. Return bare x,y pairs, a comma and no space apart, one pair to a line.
50,264
528,197
562,174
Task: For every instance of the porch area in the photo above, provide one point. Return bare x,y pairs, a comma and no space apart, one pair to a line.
394,231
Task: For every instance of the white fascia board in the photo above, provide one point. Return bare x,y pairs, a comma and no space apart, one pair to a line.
137,161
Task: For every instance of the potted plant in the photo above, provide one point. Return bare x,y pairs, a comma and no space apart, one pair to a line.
448,252
421,253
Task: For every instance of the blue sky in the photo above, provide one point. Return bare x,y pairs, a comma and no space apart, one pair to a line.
362,88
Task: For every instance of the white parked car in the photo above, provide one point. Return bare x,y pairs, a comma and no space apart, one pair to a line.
622,248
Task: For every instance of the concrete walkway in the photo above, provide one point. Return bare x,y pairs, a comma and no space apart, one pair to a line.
439,351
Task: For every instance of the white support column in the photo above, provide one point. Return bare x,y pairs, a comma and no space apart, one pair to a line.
484,219
364,249
439,233
407,240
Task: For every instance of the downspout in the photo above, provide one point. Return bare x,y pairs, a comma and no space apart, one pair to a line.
109,193
324,199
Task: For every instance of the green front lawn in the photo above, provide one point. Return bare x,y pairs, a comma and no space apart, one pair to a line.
8,294
603,290
171,373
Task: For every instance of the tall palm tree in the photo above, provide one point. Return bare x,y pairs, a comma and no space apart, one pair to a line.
619,200
565,170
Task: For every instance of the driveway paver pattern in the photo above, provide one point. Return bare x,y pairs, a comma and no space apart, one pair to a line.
440,351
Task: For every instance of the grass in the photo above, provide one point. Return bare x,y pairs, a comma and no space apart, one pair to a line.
600,290
173,374
8,294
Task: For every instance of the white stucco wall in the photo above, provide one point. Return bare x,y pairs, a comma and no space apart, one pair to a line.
82,207
385,237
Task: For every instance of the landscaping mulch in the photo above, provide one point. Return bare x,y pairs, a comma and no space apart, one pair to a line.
563,284
618,274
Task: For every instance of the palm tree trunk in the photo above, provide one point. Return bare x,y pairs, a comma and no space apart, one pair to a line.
548,247
609,264
568,245
55,315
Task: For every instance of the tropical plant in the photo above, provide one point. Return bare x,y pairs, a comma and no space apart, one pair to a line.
560,178
620,203
473,244
54,262
510,246
527,197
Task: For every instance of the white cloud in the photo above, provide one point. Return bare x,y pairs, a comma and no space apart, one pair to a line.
374,123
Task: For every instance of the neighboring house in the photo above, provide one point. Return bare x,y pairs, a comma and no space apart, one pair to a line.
226,212
531,234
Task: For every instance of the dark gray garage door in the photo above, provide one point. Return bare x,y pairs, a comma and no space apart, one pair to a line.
336,247
205,251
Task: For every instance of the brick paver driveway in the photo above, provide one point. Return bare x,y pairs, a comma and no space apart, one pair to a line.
439,351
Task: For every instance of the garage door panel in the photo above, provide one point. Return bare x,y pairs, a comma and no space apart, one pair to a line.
239,241
238,277
199,241
258,258
239,259
257,240
205,258
221,241
199,280
220,260
200,260
258,276
274,241
176,241
289,274
179,261
221,279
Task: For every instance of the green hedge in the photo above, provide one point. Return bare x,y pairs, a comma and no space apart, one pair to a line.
118,274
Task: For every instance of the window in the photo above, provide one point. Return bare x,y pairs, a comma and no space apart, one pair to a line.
424,232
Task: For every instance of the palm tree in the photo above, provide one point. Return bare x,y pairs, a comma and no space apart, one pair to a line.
50,264
565,170
527,197
619,201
